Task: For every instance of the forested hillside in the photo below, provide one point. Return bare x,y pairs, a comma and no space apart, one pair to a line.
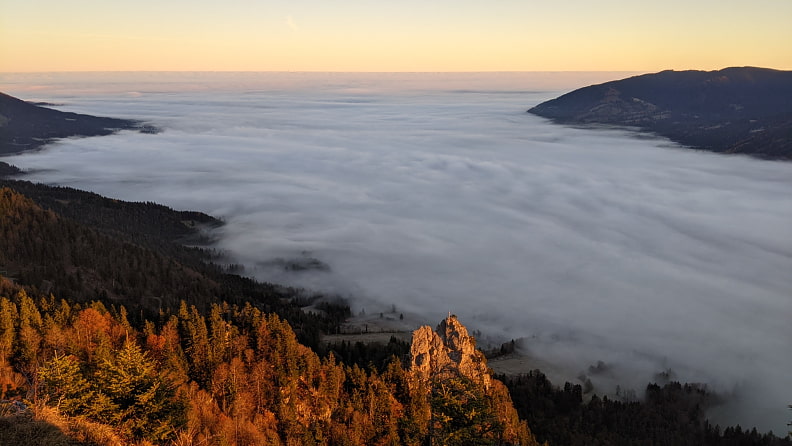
86,247
671,414
25,126
194,372
8,170
236,376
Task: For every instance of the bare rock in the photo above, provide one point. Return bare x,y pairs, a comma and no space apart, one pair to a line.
447,351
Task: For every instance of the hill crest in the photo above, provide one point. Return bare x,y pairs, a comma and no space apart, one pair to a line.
734,110
25,126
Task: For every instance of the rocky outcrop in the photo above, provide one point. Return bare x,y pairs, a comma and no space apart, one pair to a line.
735,110
446,352
455,376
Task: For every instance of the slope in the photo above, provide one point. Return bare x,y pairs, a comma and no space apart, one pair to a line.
25,126
735,110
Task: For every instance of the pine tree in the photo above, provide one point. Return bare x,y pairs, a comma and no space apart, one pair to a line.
8,314
63,385
197,349
460,413
139,400
28,337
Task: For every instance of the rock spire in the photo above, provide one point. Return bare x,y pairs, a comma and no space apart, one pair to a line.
448,351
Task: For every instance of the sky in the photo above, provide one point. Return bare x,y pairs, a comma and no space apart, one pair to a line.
380,36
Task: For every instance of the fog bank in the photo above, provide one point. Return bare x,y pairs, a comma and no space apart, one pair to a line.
439,193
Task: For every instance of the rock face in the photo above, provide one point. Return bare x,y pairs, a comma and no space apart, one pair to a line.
734,110
446,352
475,409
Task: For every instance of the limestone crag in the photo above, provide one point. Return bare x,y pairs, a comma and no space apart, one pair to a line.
446,352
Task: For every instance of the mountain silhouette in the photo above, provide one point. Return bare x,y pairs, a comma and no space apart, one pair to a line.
735,110
25,126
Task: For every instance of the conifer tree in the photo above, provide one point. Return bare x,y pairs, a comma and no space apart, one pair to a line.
28,338
460,413
8,314
64,386
139,400
196,336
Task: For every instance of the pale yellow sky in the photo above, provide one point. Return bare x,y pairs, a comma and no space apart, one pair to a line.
409,35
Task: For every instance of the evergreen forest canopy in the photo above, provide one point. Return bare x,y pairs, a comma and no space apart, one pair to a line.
113,330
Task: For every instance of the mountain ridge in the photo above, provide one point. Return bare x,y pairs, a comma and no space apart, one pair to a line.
26,126
734,110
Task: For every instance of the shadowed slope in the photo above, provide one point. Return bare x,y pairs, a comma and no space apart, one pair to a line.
735,110
24,126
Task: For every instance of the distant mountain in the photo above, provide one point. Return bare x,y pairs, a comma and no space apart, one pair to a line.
735,110
25,126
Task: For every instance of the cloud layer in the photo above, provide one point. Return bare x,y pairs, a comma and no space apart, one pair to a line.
439,193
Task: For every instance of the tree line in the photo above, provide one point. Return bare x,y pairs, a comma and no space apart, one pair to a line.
235,375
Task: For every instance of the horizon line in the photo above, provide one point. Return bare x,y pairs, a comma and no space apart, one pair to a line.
387,72
323,71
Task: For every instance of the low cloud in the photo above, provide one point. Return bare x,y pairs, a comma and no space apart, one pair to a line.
437,196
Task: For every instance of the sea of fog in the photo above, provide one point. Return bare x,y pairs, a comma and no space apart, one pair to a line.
438,193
